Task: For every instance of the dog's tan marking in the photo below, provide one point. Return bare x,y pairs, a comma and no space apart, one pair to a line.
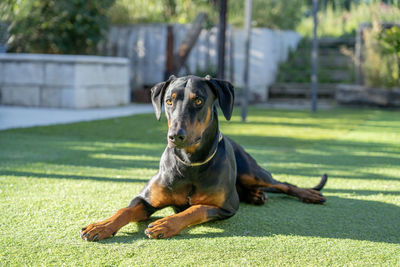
160,196
196,130
106,228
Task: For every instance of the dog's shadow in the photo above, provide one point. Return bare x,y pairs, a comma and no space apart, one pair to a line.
342,218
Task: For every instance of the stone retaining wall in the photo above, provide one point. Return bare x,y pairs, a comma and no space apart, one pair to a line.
350,94
63,81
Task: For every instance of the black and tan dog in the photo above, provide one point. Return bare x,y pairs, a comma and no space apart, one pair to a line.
203,175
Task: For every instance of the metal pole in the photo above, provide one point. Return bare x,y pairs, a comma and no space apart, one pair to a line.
169,53
314,59
221,39
358,53
247,28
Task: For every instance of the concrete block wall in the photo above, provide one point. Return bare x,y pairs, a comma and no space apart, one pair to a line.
268,48
145,46
63,81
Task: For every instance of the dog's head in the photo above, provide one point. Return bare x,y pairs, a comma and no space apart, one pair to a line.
189,102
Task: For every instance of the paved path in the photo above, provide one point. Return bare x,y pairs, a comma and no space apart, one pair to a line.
297,104
20,117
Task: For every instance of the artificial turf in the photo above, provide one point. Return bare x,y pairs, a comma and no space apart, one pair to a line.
56,179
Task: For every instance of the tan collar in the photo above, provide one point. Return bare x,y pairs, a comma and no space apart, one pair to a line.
194,164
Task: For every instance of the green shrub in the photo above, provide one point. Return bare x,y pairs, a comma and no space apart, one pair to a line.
338,22
273,14
380,66
266,13
160,11
59,26
390,39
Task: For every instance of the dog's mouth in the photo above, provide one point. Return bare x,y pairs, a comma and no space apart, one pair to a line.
180,145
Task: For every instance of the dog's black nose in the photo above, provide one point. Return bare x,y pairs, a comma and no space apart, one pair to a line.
178,137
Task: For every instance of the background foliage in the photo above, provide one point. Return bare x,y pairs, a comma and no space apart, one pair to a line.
58,27
76,26
336,22
380,66
272,13
390,39
159,11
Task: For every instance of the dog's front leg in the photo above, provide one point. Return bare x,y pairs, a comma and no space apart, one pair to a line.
134,213
172,225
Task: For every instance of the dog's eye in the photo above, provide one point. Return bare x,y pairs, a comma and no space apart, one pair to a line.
169,102
198,102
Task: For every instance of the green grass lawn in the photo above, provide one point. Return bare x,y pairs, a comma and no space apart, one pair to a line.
55,180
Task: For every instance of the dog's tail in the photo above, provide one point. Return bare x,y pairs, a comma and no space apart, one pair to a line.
322,183
318,187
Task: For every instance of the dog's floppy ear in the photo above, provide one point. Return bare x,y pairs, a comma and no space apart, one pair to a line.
225,94
157,95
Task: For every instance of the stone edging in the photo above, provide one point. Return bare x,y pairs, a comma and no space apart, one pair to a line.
63,58
349,94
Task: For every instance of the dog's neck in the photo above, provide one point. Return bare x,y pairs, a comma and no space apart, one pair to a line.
208,144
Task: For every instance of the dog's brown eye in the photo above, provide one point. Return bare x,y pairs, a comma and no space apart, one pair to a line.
169,102
198,102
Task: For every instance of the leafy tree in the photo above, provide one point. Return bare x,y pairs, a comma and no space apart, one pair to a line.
276,14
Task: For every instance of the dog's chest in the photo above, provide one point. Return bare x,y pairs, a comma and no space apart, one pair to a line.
196,194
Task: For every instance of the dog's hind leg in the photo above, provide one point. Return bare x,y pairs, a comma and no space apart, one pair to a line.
261,181
250,195
252,180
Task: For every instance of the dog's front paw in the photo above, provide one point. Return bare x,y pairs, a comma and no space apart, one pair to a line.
97,231
163,228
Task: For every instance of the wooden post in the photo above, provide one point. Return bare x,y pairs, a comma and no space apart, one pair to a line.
188,43
247,27
314,59
221,39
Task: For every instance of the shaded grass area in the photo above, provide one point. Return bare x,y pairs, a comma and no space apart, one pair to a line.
56,179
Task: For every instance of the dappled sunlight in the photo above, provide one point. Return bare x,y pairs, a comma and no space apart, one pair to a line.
373,154
104,145
79,173
340,218
52,175
123,157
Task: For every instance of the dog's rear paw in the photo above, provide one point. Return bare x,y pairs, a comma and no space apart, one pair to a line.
311,196
255,197
97,231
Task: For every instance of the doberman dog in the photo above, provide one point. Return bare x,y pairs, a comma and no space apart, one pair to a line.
203,175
